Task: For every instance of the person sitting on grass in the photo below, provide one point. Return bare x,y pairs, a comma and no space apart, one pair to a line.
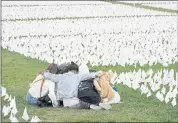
97,91
67,86
107,93
41,89
87,93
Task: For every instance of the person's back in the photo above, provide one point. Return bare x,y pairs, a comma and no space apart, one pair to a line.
87,92
67,86
34,89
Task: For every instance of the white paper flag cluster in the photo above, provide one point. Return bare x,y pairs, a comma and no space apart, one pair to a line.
11,109
142,80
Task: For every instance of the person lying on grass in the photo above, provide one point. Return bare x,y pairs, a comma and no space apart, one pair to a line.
67,86
41,88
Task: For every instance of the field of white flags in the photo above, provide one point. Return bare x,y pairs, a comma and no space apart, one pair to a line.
99,34
149,38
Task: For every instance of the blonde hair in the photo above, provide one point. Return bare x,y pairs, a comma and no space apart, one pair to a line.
106,89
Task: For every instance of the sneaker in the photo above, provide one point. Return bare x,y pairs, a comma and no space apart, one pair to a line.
94,107
105,106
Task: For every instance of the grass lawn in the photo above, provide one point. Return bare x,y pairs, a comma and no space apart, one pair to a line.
18,71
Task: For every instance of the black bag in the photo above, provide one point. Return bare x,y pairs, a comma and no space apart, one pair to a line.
88,93
44,102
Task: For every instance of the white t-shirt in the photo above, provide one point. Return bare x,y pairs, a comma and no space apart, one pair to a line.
47,89
34,90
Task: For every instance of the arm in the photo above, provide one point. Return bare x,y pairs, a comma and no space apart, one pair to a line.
52,94
88,76
52,77
97,86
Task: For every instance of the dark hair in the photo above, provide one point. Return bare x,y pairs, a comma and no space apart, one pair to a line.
73,66
52,68
63,68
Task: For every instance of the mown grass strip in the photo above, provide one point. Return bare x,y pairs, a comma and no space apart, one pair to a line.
88,17
144,6
54,5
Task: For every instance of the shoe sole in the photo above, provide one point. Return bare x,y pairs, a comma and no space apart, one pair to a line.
105,106
96,108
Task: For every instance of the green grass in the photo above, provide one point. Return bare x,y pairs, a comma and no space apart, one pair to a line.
143,6
18,71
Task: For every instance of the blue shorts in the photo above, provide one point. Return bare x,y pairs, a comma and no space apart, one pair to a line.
31,100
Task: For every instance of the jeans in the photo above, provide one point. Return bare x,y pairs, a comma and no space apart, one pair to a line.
31,100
